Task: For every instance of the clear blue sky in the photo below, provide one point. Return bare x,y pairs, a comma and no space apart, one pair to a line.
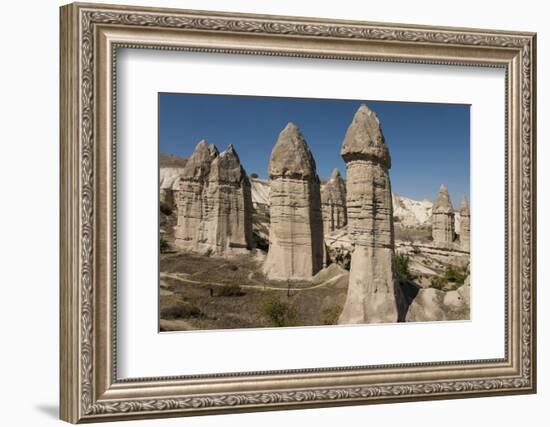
429,143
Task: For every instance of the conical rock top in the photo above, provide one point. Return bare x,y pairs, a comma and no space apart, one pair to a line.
335,189
364,139
198,165
335,174
226,167
442,202
464,207
291,156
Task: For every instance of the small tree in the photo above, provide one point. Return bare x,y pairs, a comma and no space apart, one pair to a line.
403,271
164,246
278,313
456,275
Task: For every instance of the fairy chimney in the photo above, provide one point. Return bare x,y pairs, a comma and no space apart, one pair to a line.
296,245
443,230
229,217
465,225
192,205
374,295
333,202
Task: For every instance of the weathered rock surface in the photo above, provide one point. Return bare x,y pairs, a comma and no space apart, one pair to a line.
229,217
374,295
214,203
443,231
409,212
169,185
465,225
333,202
260,212
190,232
434,305
296,246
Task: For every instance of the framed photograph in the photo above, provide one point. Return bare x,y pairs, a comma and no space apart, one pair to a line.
266,212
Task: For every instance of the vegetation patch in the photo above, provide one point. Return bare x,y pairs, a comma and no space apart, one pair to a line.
166,209
404,273
278,313
164,246
231,291
174,307
331,315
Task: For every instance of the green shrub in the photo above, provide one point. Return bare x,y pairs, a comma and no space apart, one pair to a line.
278,313
331,315
456,275
231,291
166,209
178,309
164,246
403,272
438,282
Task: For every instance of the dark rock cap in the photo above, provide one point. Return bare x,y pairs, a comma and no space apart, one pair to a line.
364,139
291,156
442,202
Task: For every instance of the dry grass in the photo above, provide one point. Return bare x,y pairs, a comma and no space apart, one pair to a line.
231,294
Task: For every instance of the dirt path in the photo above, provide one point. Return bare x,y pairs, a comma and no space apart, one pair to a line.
178,277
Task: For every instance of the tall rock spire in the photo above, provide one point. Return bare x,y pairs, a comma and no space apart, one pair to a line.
465,225
214,203
229,197
333,202
374,295
296,244
443,230
192,204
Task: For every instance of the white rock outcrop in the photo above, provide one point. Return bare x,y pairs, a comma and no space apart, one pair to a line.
374,295
431,305
296,246
169,184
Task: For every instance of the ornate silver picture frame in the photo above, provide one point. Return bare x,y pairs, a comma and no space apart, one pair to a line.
91,36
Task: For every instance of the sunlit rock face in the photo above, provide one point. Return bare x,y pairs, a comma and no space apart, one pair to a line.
296,245
465,225
374,295
443,230
214,203
192,206
169,181
229,217
333,202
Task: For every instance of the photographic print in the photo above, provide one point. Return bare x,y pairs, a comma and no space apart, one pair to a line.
294,204
278,212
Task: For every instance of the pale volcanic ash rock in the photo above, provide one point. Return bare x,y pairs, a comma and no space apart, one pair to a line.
333,202
229,218
443,221
296,246
374,295
465,225
214,203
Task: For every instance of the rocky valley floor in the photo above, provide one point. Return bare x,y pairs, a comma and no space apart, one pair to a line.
198,292
207,292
